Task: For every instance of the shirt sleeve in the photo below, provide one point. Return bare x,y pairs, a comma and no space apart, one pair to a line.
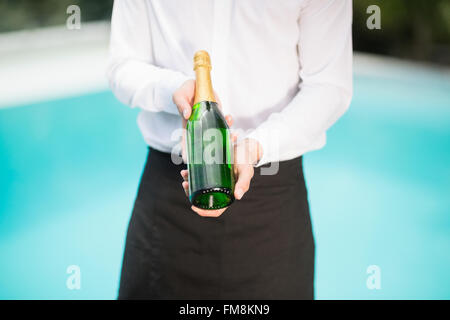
133,77
325,89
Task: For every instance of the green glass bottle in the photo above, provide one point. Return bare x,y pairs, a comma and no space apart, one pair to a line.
209,149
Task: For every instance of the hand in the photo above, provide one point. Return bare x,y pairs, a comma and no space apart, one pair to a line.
247,154
183,98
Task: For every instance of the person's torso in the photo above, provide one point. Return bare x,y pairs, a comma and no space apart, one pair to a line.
253,49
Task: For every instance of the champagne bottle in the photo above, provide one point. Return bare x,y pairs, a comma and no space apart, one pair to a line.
209,149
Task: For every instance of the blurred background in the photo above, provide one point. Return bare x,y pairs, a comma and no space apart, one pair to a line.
71,157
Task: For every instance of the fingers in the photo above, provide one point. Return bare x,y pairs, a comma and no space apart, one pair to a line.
183,98
185,186
229,120
185,183
184,174
245,174
208,213
184,108
233,137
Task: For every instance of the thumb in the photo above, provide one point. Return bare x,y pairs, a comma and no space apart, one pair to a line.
245,175
184,108
183,97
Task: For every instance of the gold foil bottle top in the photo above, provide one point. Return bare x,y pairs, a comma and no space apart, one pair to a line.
201,59
203,86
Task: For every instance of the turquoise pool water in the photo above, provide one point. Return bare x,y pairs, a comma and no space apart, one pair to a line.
379,193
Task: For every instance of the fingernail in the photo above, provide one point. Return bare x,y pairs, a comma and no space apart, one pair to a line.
239,194
185,113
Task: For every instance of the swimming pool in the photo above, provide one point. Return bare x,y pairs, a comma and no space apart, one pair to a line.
379,193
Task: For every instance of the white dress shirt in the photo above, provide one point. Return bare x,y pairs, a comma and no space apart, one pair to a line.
281,68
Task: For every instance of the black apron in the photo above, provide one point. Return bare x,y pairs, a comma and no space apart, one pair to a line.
261,247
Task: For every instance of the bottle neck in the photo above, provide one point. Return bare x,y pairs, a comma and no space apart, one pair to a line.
203,85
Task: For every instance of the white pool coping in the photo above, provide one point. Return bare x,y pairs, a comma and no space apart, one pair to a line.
55,62
52,63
